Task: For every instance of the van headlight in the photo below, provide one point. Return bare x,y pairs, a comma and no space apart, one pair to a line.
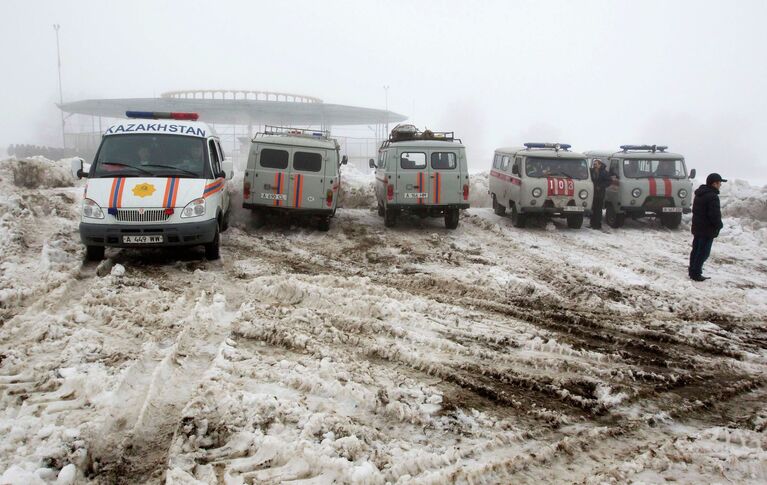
583,194
196,208
92,210
537,192
636,193
682,193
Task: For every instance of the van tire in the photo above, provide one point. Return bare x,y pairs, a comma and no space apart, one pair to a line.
517,219
671,220
324,224
498,208
213,248
258,218
451,218
94,253
225,224
575,221
614,219
380,210
390,217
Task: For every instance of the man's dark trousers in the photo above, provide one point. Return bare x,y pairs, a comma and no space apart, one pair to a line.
596,209
701,249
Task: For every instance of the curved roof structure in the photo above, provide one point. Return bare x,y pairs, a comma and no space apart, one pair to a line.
236,107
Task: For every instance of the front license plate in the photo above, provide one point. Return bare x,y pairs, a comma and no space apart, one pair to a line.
416,195
274,196
142,239
572,208
672,209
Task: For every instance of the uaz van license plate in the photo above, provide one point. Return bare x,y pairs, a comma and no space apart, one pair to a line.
672,209
274,196
416,195
142,239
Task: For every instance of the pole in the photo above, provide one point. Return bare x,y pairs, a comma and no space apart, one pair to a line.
61,93
386,95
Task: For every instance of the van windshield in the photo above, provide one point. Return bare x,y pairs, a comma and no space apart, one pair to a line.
150,156
637,169
575,168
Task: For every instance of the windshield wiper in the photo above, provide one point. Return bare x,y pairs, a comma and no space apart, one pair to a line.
120,164
559,172
193,174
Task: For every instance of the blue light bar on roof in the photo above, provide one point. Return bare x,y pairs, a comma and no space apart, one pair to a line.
162,115
555,146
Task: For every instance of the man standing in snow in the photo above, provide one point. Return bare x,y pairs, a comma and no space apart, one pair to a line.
601,180
706,224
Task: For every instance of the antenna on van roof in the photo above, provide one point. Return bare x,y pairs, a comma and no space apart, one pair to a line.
647,148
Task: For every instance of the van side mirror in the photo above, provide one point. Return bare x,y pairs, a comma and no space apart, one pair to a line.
228,167
79,169
372,163
515,169
692,173
344,160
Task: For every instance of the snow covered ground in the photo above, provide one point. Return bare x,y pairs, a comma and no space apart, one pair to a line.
487,354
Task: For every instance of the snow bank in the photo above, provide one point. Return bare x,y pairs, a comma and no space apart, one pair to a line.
478,190
38,172
742,200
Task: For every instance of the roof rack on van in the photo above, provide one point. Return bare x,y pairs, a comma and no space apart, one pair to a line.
289,131
407,132
548,146
646,148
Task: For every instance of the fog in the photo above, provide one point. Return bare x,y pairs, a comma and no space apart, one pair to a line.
596,74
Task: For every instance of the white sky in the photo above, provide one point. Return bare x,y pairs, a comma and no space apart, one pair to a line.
596,74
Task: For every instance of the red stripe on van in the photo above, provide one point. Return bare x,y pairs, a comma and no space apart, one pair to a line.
653,187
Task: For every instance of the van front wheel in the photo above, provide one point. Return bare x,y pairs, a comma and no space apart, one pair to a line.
614,219
451,218
575,221
380,210
517,219
671,220
498,208
213,248
94,253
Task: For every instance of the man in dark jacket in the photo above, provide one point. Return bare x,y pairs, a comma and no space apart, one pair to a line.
602,180
706,224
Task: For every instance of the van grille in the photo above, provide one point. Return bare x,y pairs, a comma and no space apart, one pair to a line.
136,215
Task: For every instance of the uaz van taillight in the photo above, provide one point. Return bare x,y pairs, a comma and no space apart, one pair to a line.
329,198
466,192
246,190
390,192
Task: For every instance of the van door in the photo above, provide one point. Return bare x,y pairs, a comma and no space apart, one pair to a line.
412,177
271,176
308,179
444,177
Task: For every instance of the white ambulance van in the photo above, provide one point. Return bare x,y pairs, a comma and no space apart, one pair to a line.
651,182
541,179
293,172
422,173
158,179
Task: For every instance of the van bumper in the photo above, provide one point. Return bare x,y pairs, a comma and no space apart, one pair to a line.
428,207
184,234
554,211
290,210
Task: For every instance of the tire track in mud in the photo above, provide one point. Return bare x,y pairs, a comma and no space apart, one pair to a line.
661,363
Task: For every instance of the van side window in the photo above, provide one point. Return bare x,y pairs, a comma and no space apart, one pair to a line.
614,168
220,151
496,161
443,160
412,160
517,165
214,161
307,162
381,160
271,158
505,163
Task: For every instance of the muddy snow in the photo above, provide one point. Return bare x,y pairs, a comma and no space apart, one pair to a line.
487,354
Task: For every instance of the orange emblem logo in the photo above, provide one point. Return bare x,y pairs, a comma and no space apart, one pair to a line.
143,190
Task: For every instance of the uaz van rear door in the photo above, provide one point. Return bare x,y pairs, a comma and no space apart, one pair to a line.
445,177
308,179
271,176
412,177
